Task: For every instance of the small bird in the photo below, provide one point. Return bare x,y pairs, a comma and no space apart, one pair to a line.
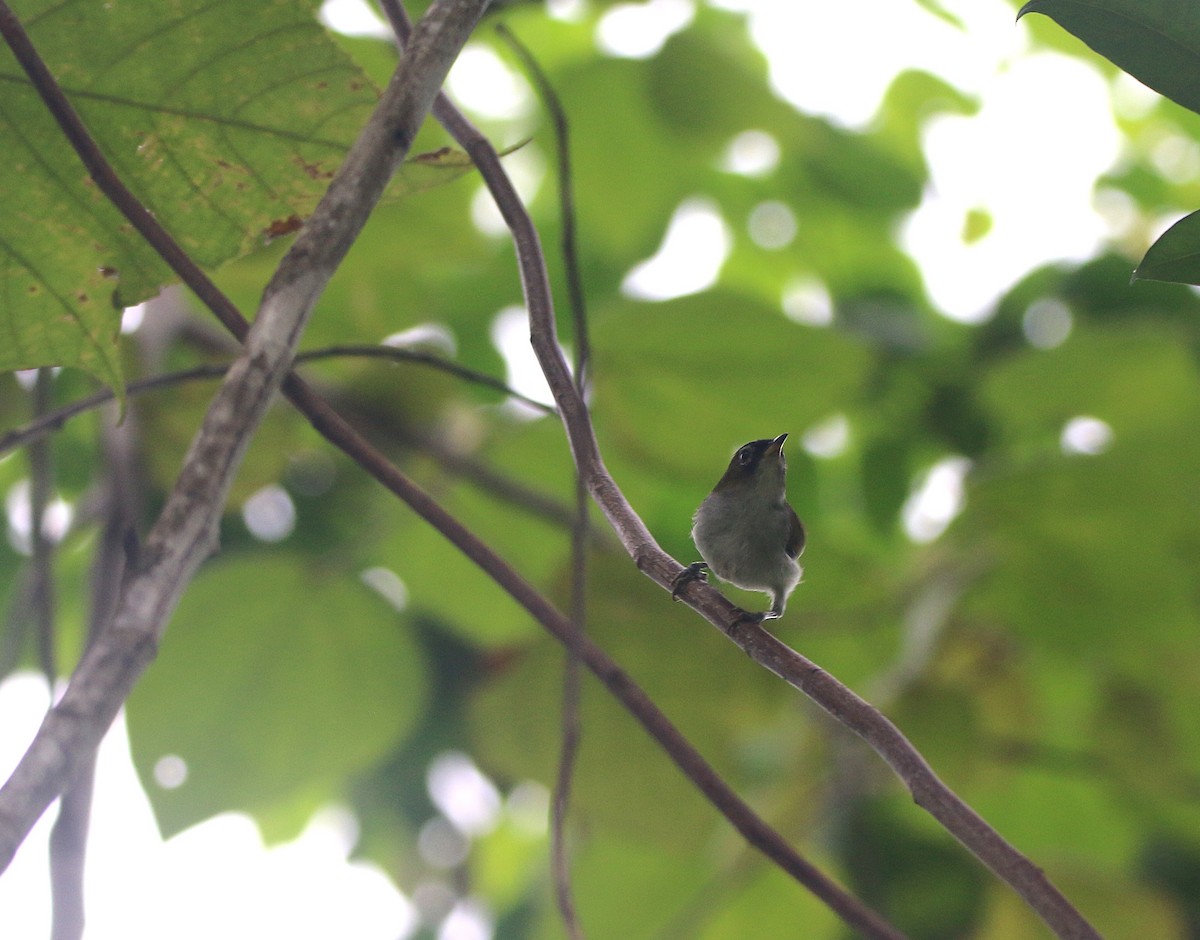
745,529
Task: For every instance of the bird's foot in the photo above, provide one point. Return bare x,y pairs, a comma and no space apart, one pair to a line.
693,572
756,617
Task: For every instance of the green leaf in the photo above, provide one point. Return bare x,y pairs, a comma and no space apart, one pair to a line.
275,681
1176,255
229,139
1155,41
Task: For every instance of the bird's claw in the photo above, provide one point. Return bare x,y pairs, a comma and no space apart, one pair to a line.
693,572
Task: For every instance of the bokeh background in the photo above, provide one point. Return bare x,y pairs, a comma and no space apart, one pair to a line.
902,232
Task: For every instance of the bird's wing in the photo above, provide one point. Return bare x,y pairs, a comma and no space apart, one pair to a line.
795,543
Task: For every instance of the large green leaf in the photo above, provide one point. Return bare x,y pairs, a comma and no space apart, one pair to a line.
228,127
274,682
1176,255
1155,41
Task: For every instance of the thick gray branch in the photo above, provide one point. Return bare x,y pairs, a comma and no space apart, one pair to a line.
186,531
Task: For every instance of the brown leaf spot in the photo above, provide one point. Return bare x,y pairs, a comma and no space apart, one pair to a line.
434,156
281,227
313,170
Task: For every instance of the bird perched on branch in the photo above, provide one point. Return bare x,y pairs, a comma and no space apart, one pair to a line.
745,529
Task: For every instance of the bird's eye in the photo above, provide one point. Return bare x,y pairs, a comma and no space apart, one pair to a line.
744,456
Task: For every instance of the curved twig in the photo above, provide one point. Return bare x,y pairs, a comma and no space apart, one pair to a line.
572,726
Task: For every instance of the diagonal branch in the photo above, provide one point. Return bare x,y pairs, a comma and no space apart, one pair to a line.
186,530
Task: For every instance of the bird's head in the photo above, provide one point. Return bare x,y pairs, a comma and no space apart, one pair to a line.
759,466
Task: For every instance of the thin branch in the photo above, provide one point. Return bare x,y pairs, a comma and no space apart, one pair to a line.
74,729
927,789
572,727
576,297
68,851
501,487
41,561
54,420
185,532
119,507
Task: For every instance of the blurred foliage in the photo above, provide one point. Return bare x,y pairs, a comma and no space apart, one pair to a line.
1042,650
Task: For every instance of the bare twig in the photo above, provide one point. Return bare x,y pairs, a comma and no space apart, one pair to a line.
576,297
572,727
185,532
501,487
119,507
53,420
68,849
928,790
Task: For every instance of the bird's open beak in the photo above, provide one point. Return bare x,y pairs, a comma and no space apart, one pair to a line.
777,445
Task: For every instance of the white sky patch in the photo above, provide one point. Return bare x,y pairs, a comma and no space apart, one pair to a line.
468,920
510,335
837,59
431,337
481,81
131,318
269,513
806,300
1023,161
772,225
829,438
1047,323
388,585
751,153
526,168
170,771
56,520
568,11
689,259
463,794
216,879
937,499
1086,436
353,18
638,30
528,806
